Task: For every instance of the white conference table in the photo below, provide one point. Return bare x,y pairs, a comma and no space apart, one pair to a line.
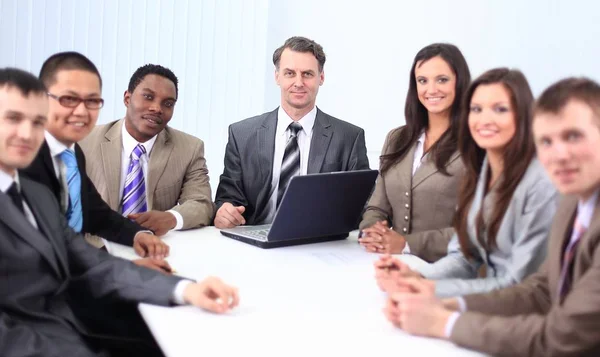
317,300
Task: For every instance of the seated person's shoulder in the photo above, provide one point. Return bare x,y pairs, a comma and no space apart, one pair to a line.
252,122
342,124
181,138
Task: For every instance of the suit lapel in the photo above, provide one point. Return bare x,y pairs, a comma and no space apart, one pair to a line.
403,172
18,223
42,221
159,157
321,136
560,234
266,143
429,168
111,162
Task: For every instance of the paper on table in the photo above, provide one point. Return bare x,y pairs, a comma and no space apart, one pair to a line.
344,257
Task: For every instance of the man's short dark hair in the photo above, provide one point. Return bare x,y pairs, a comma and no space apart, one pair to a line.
24,81
303,45
66,61
139,75
558,95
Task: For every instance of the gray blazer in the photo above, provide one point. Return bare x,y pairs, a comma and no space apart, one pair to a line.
521,239
419,207
38,265
246,180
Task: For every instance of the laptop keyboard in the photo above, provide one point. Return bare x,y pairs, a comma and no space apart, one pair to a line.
259,234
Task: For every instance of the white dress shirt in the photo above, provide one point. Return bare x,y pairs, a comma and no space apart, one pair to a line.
585,212
129,144
282,135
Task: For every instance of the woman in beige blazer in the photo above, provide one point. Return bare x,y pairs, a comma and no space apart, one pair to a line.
506,201
415,194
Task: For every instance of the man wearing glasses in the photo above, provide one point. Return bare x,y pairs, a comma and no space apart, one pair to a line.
74,86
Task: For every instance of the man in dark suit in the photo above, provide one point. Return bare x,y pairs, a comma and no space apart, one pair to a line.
556,311
41,256
264,152
74,87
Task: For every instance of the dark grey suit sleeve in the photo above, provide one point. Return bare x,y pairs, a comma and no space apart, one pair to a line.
231,188
358,156
102,274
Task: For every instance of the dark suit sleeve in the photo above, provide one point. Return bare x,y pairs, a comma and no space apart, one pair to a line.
231,187
101,274
358,155
100,219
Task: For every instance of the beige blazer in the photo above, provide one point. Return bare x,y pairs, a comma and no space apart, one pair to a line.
420,207
177,173
530,320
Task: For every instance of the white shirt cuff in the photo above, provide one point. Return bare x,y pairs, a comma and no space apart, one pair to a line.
178,292
406,249
450,324
179,219
462,304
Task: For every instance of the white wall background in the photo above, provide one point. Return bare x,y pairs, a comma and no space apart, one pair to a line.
221,50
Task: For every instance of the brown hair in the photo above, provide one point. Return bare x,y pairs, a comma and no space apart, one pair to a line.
416,116
517,155
302,45
556,97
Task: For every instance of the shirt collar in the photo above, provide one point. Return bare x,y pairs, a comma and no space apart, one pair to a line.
585,209
284,121
421,138
7,180
56,147
129,143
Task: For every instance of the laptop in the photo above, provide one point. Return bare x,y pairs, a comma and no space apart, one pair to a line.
314,208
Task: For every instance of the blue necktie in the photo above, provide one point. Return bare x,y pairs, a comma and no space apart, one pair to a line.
134,192
74,214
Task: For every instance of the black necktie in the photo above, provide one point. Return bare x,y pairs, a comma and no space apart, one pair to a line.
15,195
290,165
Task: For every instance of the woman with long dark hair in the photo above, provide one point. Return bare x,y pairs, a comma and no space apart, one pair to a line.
414,200
506,201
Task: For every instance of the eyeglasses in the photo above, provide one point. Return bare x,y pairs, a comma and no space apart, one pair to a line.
70,101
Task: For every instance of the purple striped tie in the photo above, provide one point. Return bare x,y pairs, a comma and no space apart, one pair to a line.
564,284
134,192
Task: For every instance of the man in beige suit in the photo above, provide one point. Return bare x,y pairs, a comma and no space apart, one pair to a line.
146,170
555,312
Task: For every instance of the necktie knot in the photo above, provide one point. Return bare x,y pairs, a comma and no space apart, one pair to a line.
295,127
15,196
68,157
138,151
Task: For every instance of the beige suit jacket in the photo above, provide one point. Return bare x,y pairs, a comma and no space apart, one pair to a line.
177,173
529,319
420,207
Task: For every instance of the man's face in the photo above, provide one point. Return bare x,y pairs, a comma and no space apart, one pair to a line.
22,122
299,78
568,145
150,107
70,125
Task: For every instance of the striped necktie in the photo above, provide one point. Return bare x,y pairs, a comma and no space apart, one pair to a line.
566,273
74,213
134,192
290,165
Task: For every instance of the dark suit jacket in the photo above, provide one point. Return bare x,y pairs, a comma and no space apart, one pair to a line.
528,319
37,267
98,218
246,180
